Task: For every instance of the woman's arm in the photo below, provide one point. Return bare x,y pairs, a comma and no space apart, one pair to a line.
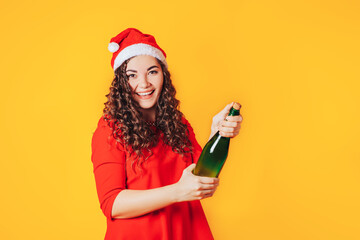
132,203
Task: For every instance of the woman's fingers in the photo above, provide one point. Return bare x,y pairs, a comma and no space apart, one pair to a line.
208,180
208,195
231,121
208,186
237,118
228,124
206,192
207,183
230,127
227,129
229,135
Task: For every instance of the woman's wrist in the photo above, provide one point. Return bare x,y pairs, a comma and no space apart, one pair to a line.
175,192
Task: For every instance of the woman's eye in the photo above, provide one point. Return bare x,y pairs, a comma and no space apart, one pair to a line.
153,72
131,75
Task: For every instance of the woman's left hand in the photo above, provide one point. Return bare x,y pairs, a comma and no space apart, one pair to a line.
228,126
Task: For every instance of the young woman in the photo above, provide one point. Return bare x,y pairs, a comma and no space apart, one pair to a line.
144,150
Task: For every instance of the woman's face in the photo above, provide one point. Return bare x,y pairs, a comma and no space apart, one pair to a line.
145,78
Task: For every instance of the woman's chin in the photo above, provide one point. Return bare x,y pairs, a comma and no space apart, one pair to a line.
147,105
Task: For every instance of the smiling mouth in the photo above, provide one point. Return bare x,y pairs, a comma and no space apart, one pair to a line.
146,94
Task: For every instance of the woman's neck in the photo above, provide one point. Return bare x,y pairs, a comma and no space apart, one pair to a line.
149,114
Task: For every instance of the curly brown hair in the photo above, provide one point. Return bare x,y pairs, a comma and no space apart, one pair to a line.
129,127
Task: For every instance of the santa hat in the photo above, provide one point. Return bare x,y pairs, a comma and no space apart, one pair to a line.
131,42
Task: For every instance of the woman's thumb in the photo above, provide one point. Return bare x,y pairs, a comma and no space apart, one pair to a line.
226,110
190,167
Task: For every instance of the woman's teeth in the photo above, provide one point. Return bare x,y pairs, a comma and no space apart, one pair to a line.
144,94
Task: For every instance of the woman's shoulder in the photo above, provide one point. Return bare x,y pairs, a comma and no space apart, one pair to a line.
104,131
187,123
184,120
104,121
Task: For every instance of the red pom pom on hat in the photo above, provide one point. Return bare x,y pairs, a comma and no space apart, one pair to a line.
131,42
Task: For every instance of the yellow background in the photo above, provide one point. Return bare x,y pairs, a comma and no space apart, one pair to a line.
292,173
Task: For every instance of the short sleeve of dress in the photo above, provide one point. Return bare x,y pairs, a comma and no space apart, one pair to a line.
108,166
195,144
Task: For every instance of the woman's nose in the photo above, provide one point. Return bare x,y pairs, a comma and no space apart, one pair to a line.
143,82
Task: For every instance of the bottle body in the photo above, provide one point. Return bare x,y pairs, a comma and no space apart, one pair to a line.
213,156
215,152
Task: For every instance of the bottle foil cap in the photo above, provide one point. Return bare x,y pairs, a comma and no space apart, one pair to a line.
236,106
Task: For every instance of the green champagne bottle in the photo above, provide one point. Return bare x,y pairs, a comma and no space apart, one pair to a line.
215,152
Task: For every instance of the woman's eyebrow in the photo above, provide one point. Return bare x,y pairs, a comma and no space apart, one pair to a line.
152,67
147,69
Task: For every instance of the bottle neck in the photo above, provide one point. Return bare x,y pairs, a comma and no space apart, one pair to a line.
234,112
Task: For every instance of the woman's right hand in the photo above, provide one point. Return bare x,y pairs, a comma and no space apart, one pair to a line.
191,187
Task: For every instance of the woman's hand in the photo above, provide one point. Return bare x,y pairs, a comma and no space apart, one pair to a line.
191,187
228,126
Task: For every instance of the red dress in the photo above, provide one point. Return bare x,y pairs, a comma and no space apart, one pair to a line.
184,220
